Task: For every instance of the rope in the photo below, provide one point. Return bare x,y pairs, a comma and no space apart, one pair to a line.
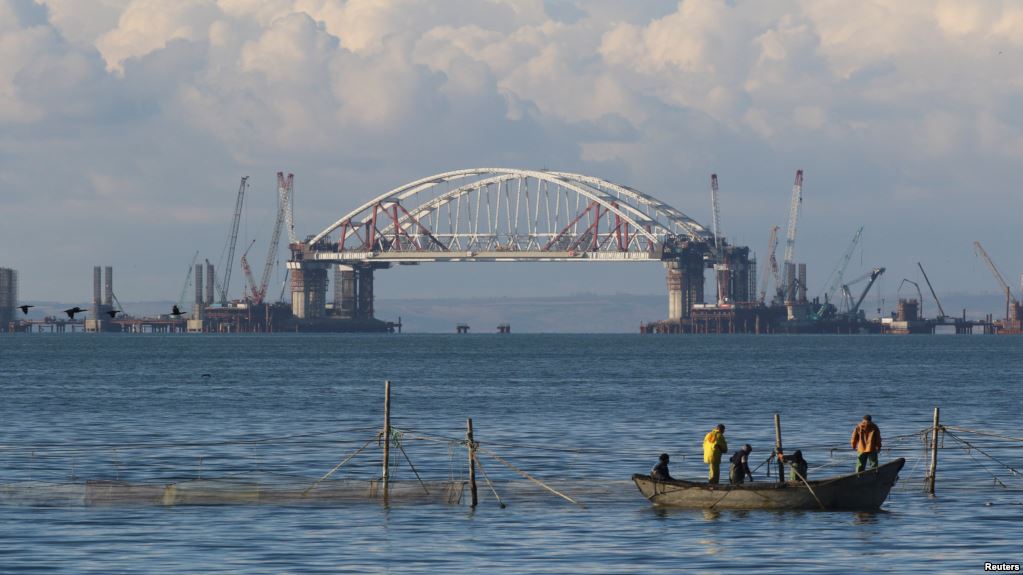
1011,469
412,466
807,484
530,477
146,445
769,458
338,466
487,479
984,433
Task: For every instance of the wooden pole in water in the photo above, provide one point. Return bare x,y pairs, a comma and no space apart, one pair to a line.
387,434
934,452
472,461
777,447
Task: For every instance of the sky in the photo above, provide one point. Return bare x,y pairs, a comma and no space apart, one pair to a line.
125,126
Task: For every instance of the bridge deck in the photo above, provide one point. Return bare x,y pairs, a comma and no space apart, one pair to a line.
484,256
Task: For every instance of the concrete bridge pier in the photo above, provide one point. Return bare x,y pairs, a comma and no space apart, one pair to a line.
308,290
364,309
353,290
345,292
685,283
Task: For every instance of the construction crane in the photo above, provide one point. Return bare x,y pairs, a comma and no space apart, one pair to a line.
721,265
283,201
994,271
232,240
771,264
839,272
872,275
797,202
919,294
250,281
289,210
188,281
716,211
941,310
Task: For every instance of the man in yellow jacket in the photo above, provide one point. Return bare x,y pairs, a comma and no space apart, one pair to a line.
714,445
866,440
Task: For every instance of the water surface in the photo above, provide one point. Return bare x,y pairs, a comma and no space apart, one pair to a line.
582,412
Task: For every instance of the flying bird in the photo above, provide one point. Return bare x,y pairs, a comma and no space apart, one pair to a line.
24,308
71,312
112,313
177,312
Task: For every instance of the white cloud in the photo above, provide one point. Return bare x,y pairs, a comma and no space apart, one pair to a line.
148,25
131,111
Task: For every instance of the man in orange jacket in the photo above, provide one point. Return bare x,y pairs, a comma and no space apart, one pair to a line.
866,440
714,445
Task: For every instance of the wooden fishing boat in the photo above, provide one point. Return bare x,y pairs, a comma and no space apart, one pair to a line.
862,491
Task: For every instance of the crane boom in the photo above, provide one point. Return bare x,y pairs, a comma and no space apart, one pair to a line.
248,275
233,240
839,271
716,223
874,274
188,280
941,310
289,210
994,271
283,199
919,293
771,264
797,202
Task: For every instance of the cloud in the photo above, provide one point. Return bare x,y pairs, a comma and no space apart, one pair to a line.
148,25
127,122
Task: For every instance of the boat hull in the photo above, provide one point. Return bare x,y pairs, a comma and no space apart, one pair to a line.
862,491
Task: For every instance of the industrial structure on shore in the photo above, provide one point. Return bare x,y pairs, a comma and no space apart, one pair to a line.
513,215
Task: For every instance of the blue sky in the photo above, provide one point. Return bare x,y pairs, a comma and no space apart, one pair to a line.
125,125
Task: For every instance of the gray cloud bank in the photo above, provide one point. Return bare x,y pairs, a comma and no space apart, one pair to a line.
125,125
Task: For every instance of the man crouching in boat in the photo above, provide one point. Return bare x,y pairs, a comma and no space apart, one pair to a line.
797,465
714,445
738,471
660,471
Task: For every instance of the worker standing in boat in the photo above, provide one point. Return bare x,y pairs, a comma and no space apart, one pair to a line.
866,440
714,445
660,471
738,471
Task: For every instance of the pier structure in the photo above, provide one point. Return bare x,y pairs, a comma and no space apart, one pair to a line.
102,301
8,298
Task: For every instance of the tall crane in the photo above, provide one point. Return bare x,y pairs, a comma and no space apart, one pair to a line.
797,202
283,201
250,281
994,271
232,240
289,211
872,275
941,310
716,222
839,272
771,264
721,270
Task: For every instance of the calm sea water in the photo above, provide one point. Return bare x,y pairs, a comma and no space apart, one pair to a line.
580,412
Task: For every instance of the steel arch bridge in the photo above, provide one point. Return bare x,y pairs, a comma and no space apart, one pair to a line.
510,215
501,214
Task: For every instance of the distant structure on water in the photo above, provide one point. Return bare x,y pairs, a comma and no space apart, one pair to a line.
8,298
